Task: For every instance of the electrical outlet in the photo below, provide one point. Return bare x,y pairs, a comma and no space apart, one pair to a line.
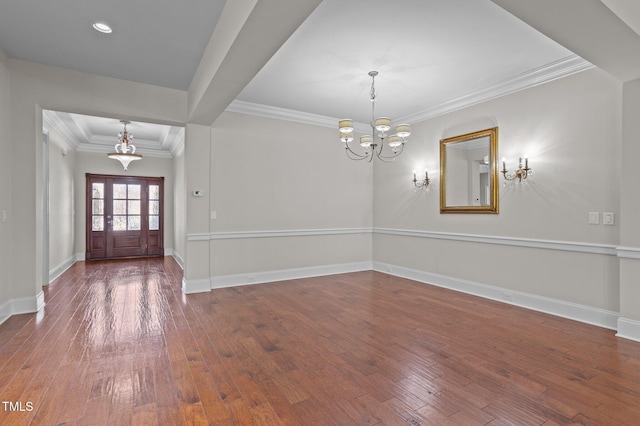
594,218
608,218
4,216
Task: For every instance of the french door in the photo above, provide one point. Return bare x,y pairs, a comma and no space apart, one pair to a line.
124,216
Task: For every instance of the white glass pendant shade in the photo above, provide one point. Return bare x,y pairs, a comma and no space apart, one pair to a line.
366,141
346,125
124,159
403,130
383,124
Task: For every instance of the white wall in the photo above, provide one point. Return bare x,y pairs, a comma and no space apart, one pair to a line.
89,162
6,235
179,207
62,212
271,175
570,129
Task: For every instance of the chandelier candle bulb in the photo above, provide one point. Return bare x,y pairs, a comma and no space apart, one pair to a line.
504,163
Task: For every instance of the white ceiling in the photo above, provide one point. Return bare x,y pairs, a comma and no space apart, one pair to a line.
433,56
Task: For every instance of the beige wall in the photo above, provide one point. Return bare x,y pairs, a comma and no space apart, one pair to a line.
6,157
274,175
179,206
569,128
62,199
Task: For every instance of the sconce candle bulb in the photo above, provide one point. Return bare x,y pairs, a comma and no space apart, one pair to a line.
521,172
423,183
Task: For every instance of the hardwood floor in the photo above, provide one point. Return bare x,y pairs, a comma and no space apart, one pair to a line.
118,343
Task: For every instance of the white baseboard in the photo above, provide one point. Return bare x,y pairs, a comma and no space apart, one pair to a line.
196,286
178,260
59,270
203,285
80,257
287,274
561,308
628,329
22,305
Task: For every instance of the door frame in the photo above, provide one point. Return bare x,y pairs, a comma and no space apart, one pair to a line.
89,233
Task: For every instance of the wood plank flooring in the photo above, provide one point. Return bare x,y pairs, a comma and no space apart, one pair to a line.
119,344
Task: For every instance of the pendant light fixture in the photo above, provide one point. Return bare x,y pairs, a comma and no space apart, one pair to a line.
125,151
373,143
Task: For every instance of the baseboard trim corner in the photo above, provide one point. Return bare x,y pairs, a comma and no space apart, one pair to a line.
196,286
22,305
628,329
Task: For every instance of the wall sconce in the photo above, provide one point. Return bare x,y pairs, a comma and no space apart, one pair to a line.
521,173
422,183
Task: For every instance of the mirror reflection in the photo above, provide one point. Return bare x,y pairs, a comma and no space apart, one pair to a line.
468,173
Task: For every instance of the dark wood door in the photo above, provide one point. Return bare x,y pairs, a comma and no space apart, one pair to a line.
124,216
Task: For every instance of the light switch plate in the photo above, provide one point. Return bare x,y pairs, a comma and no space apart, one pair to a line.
608,218
594,218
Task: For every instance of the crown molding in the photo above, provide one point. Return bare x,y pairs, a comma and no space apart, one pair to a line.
52,121
544,74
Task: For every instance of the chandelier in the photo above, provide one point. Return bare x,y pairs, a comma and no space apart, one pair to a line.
379,128
125,150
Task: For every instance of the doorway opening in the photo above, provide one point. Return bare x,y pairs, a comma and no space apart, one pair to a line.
124,216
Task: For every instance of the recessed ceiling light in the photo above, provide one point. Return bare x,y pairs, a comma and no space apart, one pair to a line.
102,27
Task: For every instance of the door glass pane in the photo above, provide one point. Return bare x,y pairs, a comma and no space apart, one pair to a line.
98,223
154,223
98,190
154,192
119,191
119,223
134,192
98,206
119,207
154,207
134,223
134,207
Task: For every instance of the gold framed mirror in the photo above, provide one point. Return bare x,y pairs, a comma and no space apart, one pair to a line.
469,173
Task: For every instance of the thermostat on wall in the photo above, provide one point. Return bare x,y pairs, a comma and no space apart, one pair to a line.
197,193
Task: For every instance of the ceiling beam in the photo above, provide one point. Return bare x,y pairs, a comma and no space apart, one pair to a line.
588,28
247,35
